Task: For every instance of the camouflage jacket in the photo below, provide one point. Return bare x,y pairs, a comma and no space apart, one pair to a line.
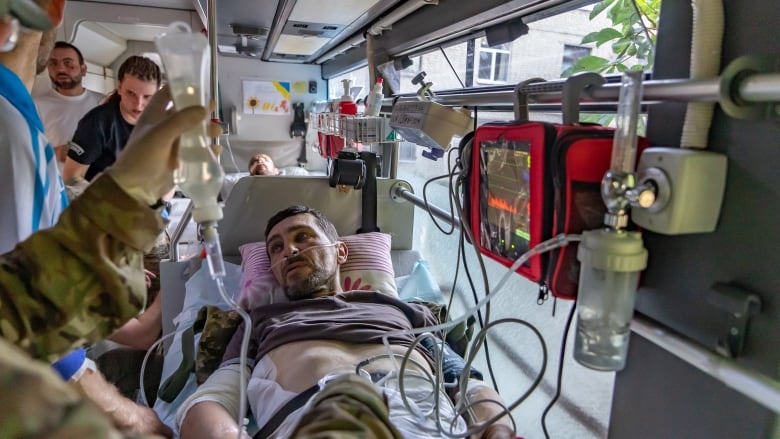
37,403
80,280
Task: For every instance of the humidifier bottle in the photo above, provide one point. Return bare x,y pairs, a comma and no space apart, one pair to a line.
611,262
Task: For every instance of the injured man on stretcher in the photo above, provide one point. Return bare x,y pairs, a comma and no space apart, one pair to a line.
319,367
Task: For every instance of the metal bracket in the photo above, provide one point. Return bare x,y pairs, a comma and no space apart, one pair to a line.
573,89
397,186
521,99
731,80
741,305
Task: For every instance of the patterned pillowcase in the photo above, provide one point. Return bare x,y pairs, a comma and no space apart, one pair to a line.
368,267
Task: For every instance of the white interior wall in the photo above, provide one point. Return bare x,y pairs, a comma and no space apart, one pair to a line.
266,133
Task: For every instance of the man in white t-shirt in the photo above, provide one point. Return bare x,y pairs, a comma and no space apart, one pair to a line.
67,101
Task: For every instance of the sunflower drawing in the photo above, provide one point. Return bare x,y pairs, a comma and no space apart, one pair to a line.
252,103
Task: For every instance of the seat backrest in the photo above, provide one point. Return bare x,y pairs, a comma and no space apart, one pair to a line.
254,200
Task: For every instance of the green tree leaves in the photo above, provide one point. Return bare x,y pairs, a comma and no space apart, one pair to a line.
631,36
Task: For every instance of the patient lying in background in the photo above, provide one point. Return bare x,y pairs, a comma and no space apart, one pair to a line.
263,164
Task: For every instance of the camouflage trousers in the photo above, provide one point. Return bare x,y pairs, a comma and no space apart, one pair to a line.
347,407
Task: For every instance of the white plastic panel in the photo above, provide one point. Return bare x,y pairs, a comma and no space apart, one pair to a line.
254,200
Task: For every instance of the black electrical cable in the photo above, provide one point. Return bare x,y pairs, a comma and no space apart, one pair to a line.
454,195
428,209
479,315
480,338
451,67
560,371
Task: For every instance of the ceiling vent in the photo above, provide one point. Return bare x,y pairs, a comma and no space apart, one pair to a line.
252,51
249,31
308,29
251,39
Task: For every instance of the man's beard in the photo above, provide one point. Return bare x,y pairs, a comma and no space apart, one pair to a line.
65,84
44,49
314,282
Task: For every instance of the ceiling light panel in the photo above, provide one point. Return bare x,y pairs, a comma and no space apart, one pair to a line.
341,12
298,45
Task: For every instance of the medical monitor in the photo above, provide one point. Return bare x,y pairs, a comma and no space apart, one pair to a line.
505,197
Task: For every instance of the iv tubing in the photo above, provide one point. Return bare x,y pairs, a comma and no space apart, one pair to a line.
542,247
213,251
217,270
242,359
141,389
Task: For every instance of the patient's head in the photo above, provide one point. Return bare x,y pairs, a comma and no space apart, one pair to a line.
305,252
262,164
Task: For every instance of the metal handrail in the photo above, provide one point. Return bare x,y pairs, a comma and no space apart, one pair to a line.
181,226
405,194
755,88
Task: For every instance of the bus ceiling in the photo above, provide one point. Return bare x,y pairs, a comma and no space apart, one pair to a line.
303,31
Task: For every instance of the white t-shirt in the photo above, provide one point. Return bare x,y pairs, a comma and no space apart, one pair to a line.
61,114
33,194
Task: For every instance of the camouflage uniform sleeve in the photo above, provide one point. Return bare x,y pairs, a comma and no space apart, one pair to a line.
80,280
37,403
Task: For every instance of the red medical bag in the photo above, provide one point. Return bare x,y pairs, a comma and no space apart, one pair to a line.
529,181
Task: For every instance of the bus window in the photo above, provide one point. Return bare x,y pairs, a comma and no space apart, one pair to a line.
606,38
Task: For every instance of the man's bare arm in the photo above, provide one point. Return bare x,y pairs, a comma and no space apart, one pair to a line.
72,170
211,411
491,405
209,420
142,331
125,414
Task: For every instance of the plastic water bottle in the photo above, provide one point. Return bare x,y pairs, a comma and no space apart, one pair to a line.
374,104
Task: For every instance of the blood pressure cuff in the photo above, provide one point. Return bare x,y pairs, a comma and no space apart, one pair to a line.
452,363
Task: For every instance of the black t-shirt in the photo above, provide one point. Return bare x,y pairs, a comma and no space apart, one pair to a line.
100,136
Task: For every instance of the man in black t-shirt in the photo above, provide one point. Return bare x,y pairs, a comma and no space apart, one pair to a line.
103,132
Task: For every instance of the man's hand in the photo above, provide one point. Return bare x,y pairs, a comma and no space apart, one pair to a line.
144,420
145,167
149,276
124,413
486,404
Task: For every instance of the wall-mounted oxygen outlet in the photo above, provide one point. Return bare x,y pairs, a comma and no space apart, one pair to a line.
689,190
